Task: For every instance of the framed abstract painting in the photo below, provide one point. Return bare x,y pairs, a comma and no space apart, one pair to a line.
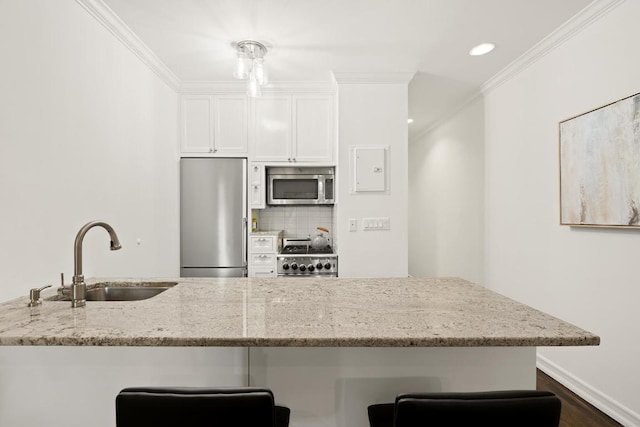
600,166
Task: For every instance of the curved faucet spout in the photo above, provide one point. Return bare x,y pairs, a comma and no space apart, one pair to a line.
78,286
77,247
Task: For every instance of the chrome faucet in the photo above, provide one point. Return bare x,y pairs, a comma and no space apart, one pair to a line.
79,287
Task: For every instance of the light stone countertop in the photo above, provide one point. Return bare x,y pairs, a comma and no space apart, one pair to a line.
274,233
304,312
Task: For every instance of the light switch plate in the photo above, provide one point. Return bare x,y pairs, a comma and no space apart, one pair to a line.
374,224
353,224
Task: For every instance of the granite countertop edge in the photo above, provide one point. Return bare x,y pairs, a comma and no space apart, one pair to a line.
249,312
295,342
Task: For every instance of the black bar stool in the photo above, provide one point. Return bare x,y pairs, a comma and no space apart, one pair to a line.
199,407
522,408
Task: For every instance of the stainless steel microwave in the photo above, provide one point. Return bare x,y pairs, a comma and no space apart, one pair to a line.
300,186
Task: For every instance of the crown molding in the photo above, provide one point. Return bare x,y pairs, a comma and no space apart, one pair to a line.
347,77
112,22
240,87
566,31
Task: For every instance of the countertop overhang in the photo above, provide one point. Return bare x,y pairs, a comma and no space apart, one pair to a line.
294,312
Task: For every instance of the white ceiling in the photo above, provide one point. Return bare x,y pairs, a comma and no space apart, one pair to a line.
307,39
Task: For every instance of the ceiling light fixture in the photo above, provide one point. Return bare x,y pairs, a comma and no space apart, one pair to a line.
250,65
482,49
409,121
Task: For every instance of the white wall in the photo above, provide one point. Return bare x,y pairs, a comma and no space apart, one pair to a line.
586,276
77,386
446,203
373,115
87,132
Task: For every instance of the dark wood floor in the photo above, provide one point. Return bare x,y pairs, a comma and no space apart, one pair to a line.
576,412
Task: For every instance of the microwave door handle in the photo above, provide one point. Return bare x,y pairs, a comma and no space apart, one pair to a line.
321,197
331,183
269,189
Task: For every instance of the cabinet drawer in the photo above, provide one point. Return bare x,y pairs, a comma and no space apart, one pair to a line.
262,272
263,244
263,260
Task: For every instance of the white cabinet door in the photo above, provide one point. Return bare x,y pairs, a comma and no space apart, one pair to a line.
293,129
257,189
230,124
313,129
272,128
214,125
197,124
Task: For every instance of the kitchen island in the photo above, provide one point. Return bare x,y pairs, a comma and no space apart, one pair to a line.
327,347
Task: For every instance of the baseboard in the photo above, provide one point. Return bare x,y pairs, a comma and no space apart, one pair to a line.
606,404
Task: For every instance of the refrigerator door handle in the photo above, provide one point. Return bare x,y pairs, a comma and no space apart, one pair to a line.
244,242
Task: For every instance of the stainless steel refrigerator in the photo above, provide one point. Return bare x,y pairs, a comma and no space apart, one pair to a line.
213,223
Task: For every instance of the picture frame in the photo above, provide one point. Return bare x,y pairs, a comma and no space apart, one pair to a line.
600,166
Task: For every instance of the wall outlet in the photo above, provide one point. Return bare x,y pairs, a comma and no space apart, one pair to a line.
353,224
374,224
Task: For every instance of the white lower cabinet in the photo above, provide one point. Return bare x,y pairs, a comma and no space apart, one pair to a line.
263,250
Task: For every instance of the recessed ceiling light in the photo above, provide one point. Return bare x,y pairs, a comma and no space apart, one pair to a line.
409,121
482,49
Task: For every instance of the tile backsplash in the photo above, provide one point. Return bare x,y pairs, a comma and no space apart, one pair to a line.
296,221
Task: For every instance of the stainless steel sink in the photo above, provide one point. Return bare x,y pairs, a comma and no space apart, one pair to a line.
128,293
122,291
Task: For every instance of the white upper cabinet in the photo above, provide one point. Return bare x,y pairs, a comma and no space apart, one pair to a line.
272,128
313,129
293,129
213,125
196,124
230,124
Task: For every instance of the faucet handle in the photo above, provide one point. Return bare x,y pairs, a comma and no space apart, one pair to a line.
34,296
63,290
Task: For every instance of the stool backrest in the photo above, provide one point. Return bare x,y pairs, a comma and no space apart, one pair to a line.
195,407
526,408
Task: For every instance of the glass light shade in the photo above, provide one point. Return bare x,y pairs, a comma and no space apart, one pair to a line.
260,71
250,65
243,67
253,88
